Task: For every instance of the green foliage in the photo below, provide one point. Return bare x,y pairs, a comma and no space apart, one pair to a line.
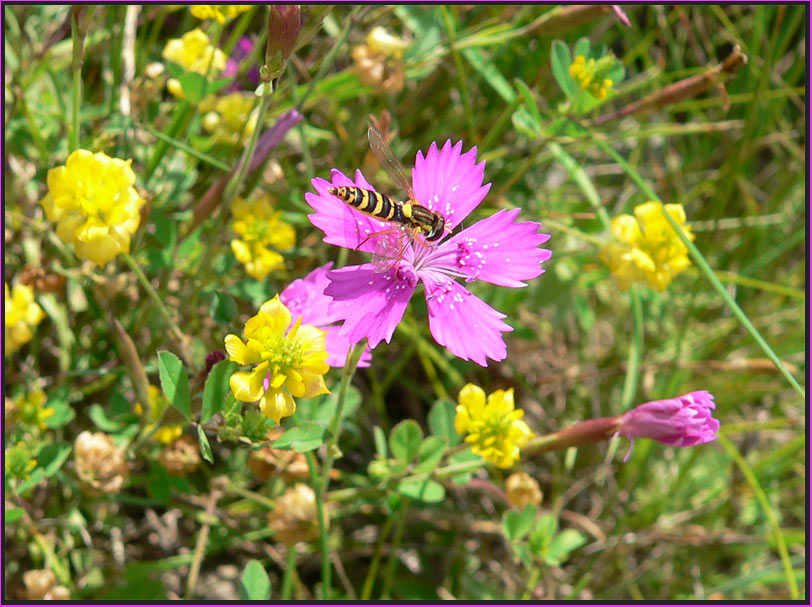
413,513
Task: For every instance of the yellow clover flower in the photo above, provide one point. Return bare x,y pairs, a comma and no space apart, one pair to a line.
21,315
222,12
31,410
231,119
646,248
156,404
495,429
260,227
288,363
94,204
194,53
589,75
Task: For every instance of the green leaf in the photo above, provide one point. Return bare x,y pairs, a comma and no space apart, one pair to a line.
564,543
524,123
490,73
405,440
36,476
304,437
217,391
13,515
223,308
430,453
380,442
584,47
196,86
255,585
175,382
428,491
51,457
561,60
99,417
441,421
205,447
529,102
63,413
517,523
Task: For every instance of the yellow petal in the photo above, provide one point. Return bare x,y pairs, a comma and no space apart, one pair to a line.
247,385
472,397
314,385
277,404
237,350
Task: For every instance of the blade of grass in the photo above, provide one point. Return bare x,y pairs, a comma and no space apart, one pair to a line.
769,513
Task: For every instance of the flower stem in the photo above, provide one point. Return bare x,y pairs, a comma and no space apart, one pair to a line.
76,67
324,545
235,184
583,433
369,582
173,327
290,572
389,574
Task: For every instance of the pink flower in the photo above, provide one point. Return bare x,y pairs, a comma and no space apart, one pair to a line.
683,421
496,249
306,297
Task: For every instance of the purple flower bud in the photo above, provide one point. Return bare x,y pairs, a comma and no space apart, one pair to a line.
683,421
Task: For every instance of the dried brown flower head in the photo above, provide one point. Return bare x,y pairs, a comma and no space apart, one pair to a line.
522,489
294,517
181,457
268,462
100,465
40,585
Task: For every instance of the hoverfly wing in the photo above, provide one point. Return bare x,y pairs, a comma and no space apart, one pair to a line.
390,248
389,162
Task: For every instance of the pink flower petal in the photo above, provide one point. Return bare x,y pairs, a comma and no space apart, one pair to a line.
371,304
449,182
338,346
462,322
305,297
499,251
342,225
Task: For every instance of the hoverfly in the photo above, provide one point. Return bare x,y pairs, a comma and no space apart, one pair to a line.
413,219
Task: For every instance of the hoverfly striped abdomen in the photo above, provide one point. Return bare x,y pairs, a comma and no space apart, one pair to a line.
369,202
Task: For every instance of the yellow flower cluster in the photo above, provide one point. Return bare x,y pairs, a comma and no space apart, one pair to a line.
156,405
288,363
194,53
232,118
495,428
94,204
646,247
588,75
222,12
30,409
21,315
259,228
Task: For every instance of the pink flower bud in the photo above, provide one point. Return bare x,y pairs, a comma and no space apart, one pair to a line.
683,421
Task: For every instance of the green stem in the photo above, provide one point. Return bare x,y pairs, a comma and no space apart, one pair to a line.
532,581
181,117
635,351
391,564
173,327
582,180
459,68
769,513
76,88
369,582
335,424
324,545
235,184
288,575
705,268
